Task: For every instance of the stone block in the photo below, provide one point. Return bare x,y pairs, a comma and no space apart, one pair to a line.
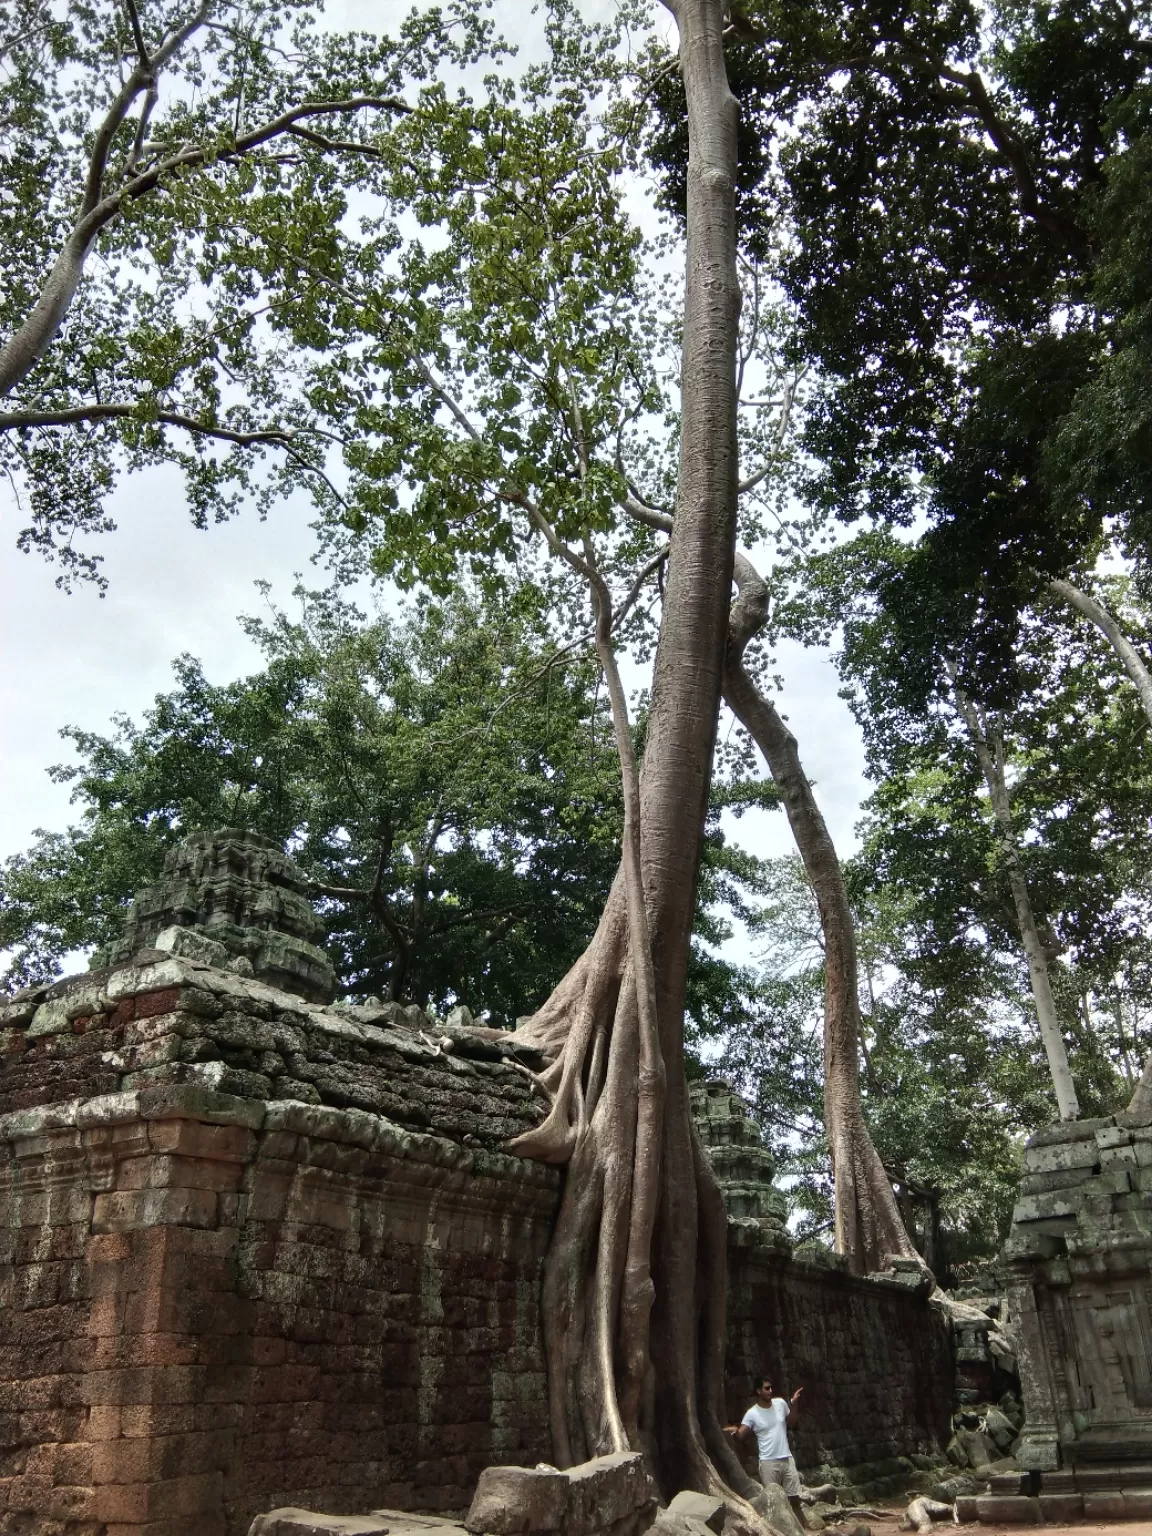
303,1522
129,1210
992,1508
965,1508
699,1506
587,1498
1061,1508
511,1500
1138,1503
1062,1157
1101,1505
1012,1483
773,1504
1068,1130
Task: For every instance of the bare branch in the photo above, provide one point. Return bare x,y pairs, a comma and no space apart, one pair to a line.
137,33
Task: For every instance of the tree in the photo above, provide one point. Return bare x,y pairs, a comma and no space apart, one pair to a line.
988,744
483,386
1009,828
446,780
952,1077
989,161
159,138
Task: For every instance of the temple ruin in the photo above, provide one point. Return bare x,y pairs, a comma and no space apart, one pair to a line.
1079,1263
260,1249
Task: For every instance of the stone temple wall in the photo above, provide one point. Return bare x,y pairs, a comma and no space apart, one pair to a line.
873,1357
1079,1265
255,1251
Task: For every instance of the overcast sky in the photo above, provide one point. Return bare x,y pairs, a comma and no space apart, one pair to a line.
76,660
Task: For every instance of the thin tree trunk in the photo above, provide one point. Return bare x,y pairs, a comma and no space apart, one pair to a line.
989,747
666,1388
1137,670
1141,1101
1132,661
868,1225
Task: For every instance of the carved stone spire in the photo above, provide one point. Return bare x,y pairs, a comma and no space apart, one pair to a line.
234,899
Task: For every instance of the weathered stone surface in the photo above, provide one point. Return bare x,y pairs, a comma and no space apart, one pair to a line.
700,1506
742,1164
773,1504
303,1522
950,1489
669,1524
232,895
993,1508
1078,1266
874,1359
216,1303
589,1498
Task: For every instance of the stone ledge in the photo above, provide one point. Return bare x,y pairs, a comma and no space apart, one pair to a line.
352,1127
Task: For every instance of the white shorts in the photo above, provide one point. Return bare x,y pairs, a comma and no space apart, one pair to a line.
783,1472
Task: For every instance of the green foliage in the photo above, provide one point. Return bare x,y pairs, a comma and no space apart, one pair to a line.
436,759
447,778
959,202
170,349
952,1076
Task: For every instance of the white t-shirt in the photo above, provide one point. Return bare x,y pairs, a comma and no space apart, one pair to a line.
770,1428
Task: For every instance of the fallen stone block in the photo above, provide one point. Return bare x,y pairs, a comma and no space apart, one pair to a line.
592,1497
773,1504
699,1506
668,1524
304,1522
952,1488
965,1509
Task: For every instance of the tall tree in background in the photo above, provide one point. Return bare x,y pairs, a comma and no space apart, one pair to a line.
868,1225
446,779
980,809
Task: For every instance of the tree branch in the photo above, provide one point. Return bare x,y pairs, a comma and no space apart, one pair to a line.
20,353
73,415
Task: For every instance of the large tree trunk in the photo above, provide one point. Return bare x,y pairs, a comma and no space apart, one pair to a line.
869,1229
989,747
620,1375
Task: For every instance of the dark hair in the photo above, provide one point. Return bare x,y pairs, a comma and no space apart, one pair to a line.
764,1376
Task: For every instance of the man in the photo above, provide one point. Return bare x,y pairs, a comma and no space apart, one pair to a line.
767,1422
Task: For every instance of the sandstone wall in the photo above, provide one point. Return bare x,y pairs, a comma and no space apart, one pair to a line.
211,1307
873,1357
216,1297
